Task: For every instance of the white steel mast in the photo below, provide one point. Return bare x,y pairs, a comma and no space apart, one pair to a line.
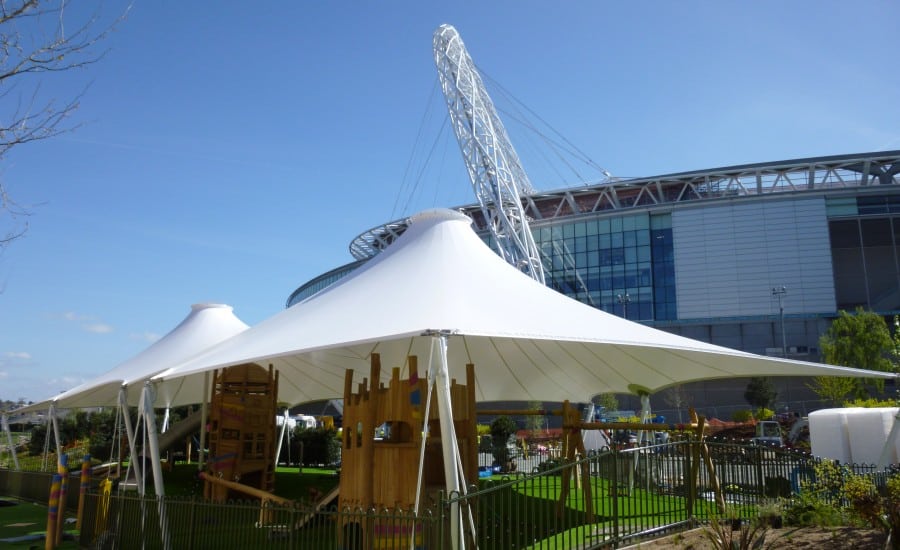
494,168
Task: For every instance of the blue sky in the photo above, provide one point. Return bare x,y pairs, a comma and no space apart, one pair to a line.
231,153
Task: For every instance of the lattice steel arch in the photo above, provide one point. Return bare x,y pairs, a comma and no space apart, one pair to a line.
491,161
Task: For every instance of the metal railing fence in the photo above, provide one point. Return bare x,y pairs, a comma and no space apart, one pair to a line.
604,499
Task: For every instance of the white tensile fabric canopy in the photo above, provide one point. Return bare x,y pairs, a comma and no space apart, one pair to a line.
205,325
527,341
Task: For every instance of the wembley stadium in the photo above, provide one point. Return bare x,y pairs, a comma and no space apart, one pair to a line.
756,257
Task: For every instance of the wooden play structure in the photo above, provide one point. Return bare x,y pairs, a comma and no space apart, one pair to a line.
381,472
242,430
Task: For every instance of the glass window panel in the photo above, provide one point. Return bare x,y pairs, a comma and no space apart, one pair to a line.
581,259
645,310
544,233
605,257
568,231
615,225
580,230
631,280
580,244
630,238
557,263
631,256
642,222
643,237
591,227
661,221
628,223
617,240
643,253
644,276
591,242
844,234
876,232
603,226
617,256
556,232
605,241
593,259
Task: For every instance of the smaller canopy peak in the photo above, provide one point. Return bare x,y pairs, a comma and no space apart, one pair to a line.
206,305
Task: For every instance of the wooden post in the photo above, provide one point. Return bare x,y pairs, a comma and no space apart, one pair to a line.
63,489
52,513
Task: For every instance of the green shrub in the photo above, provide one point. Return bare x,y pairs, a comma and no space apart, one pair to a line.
764,413
871,403
319,446
742,416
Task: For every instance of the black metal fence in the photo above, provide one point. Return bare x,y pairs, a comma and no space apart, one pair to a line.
605,499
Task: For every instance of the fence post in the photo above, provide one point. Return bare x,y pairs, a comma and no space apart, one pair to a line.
760,480
192,514
690,482
615,494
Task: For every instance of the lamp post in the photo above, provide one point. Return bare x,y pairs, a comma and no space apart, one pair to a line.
780,292
624,299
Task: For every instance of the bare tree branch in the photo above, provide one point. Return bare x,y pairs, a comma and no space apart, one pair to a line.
34,43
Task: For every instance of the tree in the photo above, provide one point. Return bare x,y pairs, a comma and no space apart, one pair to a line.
502,428
38,38
834,389
860,340
679,398
534,423
760,393
608,401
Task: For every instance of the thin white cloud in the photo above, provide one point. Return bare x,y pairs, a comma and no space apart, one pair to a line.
3,374
72,316
98,328
87,323
24,355
145,337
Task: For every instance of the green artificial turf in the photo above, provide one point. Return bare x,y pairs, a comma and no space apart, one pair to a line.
26,518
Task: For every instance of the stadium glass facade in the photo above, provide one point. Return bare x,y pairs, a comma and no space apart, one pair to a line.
622,265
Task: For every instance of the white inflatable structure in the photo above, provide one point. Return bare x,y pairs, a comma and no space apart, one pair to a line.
856,435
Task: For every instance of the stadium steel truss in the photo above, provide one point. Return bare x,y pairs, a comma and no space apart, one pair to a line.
810,175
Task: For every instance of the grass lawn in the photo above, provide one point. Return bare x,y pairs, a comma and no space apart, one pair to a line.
290,483
21,519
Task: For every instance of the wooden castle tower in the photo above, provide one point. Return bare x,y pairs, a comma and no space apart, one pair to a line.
382,472
242,429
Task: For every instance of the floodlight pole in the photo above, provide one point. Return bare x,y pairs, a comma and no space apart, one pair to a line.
624,299
781,292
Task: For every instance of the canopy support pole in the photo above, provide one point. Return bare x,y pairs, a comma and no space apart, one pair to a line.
448,440
429,385
204,412
132,443
55,424
12,448
148,396
165,422
284,424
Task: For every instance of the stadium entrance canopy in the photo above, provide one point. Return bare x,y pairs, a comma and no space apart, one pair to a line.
205,325
438,292
527,341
